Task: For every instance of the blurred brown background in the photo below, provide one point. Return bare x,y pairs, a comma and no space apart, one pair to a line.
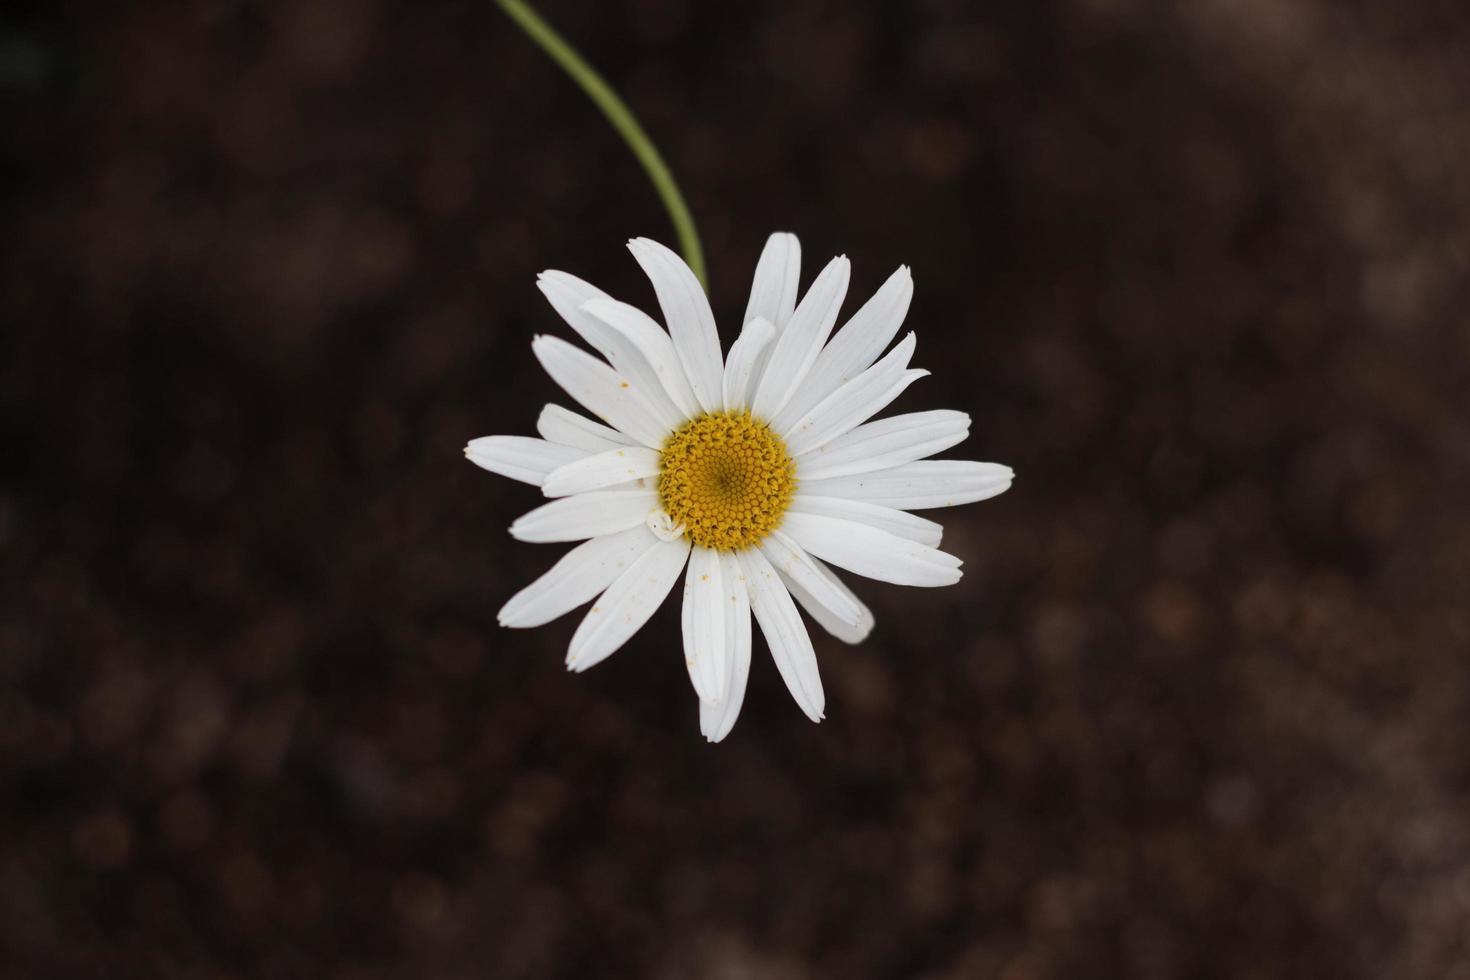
1199,708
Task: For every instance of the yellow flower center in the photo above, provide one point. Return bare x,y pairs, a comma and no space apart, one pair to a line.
726,477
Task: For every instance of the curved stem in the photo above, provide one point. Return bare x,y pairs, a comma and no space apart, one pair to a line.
622,119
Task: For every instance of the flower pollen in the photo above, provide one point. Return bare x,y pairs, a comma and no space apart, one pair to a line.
727,479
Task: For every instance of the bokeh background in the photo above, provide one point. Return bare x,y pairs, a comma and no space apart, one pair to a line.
1199,708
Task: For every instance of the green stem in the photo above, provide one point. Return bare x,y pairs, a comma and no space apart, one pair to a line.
621,117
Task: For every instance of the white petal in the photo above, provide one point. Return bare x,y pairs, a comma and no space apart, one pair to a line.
581,573
899,522
706,653
873,553
885,443
785,633
921,485
795,565
566,427
587,515
800,341
600,389
777,279
854,403
627,604
687,314
607,469
717,718
569,296
653,346
744,355
661,524
523,458
566,294
855,347
825,616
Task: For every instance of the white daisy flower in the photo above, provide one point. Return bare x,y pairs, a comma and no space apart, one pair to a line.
755,470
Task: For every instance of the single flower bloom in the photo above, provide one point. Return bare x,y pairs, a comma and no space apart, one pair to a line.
753,469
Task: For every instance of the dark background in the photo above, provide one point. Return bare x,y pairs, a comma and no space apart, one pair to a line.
1199,708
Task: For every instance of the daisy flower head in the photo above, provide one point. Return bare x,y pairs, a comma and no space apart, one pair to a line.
747,473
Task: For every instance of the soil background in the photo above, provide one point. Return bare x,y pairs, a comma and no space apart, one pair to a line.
1200,706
